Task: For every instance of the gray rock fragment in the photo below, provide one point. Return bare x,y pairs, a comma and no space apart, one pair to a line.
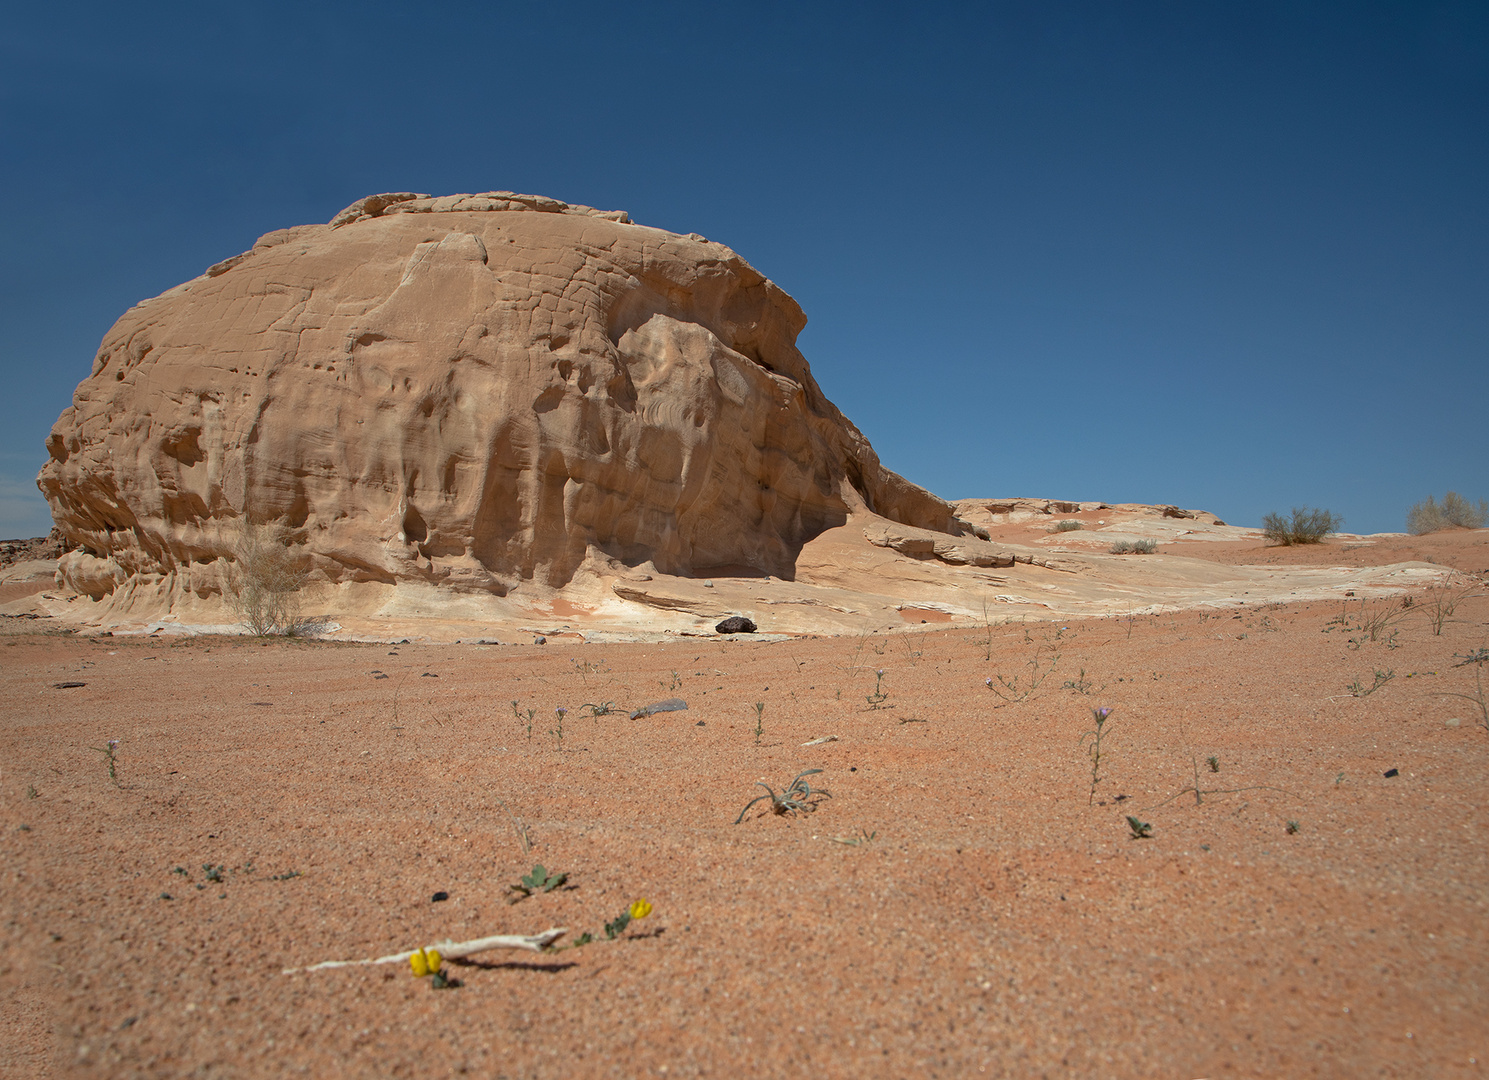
672,704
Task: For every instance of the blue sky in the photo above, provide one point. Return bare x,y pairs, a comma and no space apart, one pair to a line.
1233,256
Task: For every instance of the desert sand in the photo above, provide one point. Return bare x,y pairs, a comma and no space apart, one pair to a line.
965,903
1046,809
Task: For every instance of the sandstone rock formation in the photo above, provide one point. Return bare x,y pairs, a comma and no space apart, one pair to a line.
486,392
981,513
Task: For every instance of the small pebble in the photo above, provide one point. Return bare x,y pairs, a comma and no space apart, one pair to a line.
437,897
1392,772
1452,721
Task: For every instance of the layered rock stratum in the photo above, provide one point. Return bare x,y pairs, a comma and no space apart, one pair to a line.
479,392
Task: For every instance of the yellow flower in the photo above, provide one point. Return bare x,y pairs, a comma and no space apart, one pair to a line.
424,962
640,909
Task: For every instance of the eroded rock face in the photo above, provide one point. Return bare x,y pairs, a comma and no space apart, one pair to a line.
480,391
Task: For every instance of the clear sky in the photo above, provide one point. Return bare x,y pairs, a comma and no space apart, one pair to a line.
1233,256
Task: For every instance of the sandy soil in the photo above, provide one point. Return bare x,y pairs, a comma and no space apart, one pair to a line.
962,904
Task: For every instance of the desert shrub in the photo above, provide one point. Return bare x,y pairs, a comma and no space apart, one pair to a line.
1134,547
1306,526
1066,526
266,582
1454,512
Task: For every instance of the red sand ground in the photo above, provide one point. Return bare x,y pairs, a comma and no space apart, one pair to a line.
989,917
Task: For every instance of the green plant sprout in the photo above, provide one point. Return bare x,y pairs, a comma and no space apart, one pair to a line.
1440,603
1292,827
878,697
1022,687
604,708
858,839
531,714
987,626
1359,689
539,881
558,732
857,662
397,688
1096,737
639,909
110,755
518,827
1371,624
1080,684
1199,792
759,721
1477,697
586,668
798,795
1141,830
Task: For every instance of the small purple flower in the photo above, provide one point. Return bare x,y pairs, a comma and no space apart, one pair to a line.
1101,714
989,683
561,711
113,744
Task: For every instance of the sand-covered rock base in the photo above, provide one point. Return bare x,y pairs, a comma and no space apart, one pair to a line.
964,904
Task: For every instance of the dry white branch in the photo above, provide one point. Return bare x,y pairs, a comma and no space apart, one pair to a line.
816,742
452,950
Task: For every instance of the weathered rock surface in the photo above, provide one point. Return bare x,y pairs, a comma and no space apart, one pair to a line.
482,392
500,416
981,513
